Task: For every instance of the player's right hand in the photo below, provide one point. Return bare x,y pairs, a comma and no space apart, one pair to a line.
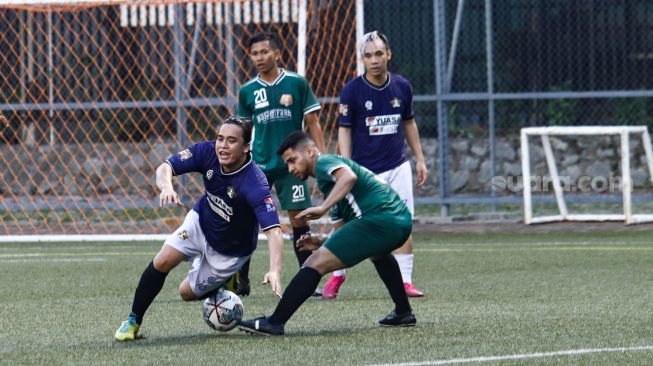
169,196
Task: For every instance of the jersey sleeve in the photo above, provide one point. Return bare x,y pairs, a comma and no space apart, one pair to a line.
346,108
326,165
310,101
407,112
190,159
243,110
260,199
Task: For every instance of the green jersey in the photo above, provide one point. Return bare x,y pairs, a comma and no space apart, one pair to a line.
370,194
276,110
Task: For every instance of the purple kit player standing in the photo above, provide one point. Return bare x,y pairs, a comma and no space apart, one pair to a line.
220,233
376,120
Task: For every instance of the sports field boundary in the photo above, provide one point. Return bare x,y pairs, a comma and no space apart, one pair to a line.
571,352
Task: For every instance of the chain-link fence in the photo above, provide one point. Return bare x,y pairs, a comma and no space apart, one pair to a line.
550,63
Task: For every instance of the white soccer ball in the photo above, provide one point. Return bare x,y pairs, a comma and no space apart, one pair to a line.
223,310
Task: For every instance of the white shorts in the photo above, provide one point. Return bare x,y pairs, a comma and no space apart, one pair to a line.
210,268
401,180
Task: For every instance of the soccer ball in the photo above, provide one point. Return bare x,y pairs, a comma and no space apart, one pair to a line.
223,310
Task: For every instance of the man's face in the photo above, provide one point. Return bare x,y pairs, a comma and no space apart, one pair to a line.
375,57
230,147
263,56
298,162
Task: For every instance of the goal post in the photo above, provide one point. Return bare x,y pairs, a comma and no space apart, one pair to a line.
624,132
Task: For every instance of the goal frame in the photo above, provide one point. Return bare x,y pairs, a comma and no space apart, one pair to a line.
544,132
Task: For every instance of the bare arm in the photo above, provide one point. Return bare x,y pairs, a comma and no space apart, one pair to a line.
164,182
314,128
275,244
412,137
345,180
344,141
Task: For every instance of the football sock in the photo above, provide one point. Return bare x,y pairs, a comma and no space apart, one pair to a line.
300,288
340,272
244,272
148,287
388,270
405,262
296,234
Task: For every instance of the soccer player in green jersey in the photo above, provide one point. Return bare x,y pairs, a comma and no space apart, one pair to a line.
375,221
278,102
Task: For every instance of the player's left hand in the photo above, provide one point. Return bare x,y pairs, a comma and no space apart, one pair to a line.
274,279
308,243
312,213
422,173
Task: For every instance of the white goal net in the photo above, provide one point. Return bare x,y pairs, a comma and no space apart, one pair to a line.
626,183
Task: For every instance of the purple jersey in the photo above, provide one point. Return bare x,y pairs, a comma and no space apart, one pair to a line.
375,115
233,204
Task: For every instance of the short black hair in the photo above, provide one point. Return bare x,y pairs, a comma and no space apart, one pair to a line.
294,140
261,37
246,126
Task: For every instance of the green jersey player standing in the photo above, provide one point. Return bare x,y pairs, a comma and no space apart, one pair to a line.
278,102
374,222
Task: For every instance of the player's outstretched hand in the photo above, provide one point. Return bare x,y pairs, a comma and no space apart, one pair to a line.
308,242
422,173
274,279
312,213
169,196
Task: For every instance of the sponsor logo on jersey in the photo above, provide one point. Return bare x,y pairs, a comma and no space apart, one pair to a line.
368,105
209,174
343,109
269,204
185,155
395,103
231,192
183,235
383,125
286,100
219,206
274,115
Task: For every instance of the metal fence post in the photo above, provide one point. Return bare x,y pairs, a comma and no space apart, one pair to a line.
440,75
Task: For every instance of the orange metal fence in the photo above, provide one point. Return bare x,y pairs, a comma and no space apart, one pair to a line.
95,96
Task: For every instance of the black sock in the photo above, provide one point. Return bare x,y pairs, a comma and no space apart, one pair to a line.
388,270
148,287
244,272
296,234
300,288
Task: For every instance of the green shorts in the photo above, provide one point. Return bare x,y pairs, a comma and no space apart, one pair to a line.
371,235
293,193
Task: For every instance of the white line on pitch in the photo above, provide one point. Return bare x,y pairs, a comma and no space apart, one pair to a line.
58,260
571,352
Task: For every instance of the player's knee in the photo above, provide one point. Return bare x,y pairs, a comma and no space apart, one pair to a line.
322,262
186,294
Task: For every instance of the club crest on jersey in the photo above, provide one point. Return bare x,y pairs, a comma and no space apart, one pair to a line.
286,100
343,109
209,174
395,103
269,204
183,235
368,105
185,155
231,192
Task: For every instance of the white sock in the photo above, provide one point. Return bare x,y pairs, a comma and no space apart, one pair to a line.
340,272
405,262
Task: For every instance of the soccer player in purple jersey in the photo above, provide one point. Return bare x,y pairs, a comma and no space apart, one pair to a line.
220,233
376,120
